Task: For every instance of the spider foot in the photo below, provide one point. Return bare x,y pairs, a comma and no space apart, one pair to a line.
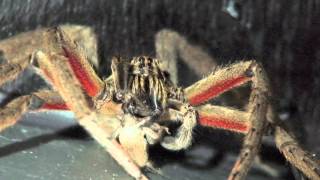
10,71
149,167
12,112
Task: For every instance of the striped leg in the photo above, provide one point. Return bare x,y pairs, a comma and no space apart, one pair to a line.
221,81
11,112
61,46
16,50
223,118
77,84
232,120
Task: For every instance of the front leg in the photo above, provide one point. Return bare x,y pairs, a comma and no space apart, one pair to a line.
16,50
73,80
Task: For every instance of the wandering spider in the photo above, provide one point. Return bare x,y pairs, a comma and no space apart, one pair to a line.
134,107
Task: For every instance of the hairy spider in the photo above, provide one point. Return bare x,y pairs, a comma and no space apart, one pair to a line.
131,110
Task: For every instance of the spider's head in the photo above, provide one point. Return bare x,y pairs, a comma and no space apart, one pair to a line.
148,82
145,66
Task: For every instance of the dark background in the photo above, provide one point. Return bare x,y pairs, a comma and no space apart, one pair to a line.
283,35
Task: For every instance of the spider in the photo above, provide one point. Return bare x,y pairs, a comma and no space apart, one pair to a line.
134,107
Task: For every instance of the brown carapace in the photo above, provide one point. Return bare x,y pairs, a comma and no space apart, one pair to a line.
131,109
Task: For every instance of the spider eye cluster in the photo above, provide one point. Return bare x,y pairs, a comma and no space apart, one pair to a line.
144,65
143,61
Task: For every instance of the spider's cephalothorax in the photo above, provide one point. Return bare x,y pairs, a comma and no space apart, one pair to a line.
141,85
147,81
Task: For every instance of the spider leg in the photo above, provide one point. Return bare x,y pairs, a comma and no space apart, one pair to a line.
292,150
219,82
170,45
120,74
117,151
233,120
81,68
59,66
17,49
51,101
223,80
12,111
10,71
223,118
257,108
154,133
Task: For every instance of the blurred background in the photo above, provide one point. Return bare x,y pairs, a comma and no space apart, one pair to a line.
282,35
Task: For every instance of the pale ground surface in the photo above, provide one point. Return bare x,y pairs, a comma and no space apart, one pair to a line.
33,150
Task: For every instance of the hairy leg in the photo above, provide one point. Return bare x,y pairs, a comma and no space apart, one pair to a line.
292,150
223,80
232,120
218,82
11,113
60,45
18,49
9,71
257,107
70,90
223,118
73,80
170,45
41,100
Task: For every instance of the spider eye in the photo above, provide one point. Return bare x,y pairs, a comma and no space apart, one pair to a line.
149,61
141,59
